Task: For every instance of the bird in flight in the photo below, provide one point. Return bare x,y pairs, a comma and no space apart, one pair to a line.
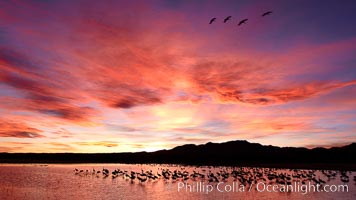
266,13
227,19
242,21
212,20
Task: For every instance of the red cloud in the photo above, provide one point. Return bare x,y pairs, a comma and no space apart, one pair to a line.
251,84
273,96
41,93
18,130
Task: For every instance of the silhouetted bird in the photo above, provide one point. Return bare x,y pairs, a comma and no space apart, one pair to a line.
242,21
266,13
227,19
212,20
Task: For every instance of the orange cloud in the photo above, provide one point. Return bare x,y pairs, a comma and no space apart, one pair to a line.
273,96
99,143
18,130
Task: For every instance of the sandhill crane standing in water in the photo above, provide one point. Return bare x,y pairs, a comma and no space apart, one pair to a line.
242,22
141,179
105,172
212,20
227,19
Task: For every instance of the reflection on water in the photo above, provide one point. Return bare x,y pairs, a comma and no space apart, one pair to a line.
121,181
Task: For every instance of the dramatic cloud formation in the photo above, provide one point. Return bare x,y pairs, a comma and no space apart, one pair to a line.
84,76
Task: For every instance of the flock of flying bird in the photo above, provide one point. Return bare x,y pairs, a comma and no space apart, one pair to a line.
242,21
245,175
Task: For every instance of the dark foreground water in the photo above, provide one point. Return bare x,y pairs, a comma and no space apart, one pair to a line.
35,181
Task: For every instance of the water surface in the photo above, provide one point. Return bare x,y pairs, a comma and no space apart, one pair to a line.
55,181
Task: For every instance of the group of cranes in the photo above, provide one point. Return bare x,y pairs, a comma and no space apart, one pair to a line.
245,175
243,21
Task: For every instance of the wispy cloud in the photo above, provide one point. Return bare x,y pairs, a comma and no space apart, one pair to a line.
18,130
98,143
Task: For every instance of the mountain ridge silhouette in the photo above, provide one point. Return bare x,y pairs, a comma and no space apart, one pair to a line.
234,153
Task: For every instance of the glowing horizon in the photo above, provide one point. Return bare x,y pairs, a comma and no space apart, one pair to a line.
150,75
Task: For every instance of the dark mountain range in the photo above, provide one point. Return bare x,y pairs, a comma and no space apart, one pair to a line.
240,153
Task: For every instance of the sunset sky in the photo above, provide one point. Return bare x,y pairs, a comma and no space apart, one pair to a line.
118,76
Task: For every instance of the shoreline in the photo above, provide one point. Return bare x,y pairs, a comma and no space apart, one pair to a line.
313,166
